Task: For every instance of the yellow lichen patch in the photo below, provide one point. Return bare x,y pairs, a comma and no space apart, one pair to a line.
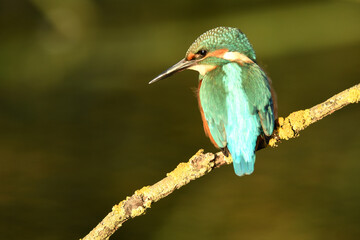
116,208
119,208
137,211
354,95
228,159
285,130
147,204
272,142
143,191
179,171
300,119
281,121
295,122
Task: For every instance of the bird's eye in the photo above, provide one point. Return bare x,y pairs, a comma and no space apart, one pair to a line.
201,53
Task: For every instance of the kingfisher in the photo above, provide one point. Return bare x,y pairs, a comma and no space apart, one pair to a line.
234,94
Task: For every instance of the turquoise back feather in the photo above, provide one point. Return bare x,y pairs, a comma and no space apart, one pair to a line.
237,106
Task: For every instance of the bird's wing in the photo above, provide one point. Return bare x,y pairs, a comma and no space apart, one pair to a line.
212,101
257,89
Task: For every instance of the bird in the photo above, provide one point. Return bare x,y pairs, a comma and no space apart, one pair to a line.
234,94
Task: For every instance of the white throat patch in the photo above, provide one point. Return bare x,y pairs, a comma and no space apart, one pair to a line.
202,69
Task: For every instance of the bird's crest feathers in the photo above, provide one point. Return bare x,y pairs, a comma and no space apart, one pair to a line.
228,38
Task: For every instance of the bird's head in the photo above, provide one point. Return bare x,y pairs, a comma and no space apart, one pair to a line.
212,49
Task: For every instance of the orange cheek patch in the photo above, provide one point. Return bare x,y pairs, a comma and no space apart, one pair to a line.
218,53
190,56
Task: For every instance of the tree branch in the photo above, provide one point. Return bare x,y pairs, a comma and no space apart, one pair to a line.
202,163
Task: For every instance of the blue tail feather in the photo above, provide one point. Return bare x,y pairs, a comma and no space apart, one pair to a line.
241,143
243,166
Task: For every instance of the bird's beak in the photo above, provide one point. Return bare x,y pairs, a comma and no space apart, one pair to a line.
183,64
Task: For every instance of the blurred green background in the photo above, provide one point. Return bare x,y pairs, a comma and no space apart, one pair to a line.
80,128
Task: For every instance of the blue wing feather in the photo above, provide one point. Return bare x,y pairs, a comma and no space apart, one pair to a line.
257,89
243,126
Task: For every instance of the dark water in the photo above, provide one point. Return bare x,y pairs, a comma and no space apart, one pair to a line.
80,128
